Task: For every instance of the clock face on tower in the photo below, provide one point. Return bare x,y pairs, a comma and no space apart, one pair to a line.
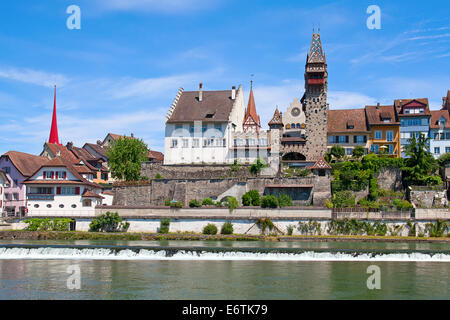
295,112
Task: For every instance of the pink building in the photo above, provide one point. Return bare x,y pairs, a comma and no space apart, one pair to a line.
18,167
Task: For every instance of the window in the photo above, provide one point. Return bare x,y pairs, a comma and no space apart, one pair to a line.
49,206
185,143
377,148
298,125
61,206
191,128
204,128
391,149
359,139
447,136
436,136
66,190
218,127
178,127
195,143
349,151
247,153
331,139
16,183
437,150
6,169
15,196
447,149
390,136
235,153
41,190
74,206
174,143
87,203
378,135
343,139
36,206
6,196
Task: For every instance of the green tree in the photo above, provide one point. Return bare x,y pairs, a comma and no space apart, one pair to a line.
420,163
337,151
125,158
358,152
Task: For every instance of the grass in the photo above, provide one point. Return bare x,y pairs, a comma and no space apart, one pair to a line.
79,235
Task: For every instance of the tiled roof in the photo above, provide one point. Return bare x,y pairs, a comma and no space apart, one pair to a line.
321,164
251,110
24,162
436,115
277,119
340,121
215,106
158,156
73,155
376,115
97,148
91,194
401,103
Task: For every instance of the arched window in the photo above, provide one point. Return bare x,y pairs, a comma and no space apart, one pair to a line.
288,126
298,125
293,126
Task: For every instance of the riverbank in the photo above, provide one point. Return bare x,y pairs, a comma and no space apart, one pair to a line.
77,235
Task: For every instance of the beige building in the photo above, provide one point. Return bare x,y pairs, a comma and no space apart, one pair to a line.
348,129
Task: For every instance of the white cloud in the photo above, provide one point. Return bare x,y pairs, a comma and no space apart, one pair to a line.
436,36
36,77
165,6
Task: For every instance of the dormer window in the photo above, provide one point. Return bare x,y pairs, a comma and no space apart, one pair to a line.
350,125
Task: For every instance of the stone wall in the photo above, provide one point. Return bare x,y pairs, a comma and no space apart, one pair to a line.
157,191
150,170
390,179
422,198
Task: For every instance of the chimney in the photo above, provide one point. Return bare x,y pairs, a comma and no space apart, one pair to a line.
233,93
200,92
444,102
132,135
378,106
69,145
99,142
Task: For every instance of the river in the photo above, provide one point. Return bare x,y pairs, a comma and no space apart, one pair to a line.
203,270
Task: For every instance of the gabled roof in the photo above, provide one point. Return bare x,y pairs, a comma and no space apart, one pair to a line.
63,163
25,163
91,194
73,155
277,119
347,121
321,164
251,110
400,105
97,148
438,114
376,115
215,106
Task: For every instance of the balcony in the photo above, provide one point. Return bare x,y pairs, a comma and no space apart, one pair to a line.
315,81
40,197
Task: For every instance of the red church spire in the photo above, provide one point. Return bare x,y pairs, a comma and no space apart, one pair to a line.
54,129
251,119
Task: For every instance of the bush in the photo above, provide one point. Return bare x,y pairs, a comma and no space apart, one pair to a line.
290,229
158,176
343,199
232,203
328,204
194,204
251,198
164,226
337,151
284,200
210,229
37,224
256,168
227,228
265,224
109,222
433,180
269,201
208,202
167,202
436,229
358,152
176,205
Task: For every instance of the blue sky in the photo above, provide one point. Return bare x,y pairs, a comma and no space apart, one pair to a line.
122,70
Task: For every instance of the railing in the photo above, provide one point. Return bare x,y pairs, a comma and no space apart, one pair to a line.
40,197
363,213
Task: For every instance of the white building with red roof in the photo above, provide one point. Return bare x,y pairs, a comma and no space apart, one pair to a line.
59,188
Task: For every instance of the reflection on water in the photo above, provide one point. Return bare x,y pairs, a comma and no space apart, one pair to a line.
46,279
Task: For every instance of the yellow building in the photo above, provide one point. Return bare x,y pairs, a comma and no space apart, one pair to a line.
384,130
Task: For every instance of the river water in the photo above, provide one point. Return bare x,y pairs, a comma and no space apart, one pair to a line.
222,270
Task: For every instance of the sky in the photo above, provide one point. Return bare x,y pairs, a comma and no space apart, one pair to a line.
121,71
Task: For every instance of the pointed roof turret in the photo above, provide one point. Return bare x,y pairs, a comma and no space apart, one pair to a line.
277,120
54,139
251,118
316,54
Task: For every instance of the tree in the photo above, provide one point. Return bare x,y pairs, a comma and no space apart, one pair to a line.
337,151
420,163
358,152
125,158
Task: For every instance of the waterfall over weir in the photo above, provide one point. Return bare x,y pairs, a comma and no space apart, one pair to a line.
90,252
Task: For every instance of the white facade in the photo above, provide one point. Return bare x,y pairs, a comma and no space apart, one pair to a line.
59,193
440,139
294,119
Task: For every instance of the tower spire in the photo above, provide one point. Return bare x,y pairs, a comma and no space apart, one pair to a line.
251,119
54,139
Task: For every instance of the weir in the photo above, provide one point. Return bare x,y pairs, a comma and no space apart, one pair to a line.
114,252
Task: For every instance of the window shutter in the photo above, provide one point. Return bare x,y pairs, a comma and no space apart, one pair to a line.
346,139
64,175
365,139
355,139
77,190
57,174
58,190
53,175
45,175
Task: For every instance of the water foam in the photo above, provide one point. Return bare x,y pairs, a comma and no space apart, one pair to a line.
46,253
